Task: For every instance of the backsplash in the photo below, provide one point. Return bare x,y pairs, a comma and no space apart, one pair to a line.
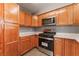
67,29
26,29
58,29
61,29
40,29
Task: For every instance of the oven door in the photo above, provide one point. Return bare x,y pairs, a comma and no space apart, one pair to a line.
47,44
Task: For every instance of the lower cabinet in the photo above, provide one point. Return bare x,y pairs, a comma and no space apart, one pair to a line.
59,47
11,37
34,41
69,47
24,45
11,49
77,48
1,51
66,47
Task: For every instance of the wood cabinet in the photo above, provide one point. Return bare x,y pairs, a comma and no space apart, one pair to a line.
34,41
77,48
76,14
70,14
24,45
11,32
67,15
69,47
28,19
25,19
22,18
11,37
11,49
1,11
36,22
59,47
1,29
62,17
40,21
11,12
66,47
1,39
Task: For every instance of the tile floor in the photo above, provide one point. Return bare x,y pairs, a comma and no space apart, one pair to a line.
35,52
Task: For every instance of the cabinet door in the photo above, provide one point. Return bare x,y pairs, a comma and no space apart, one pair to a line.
59,47
11,32
28,19
11,49
39,20
35,21
1,39
24,45
36,41
70,14
22,18
62,16
1,29
1,12
32,38
10,37
76,14
77,49
11,12
69,47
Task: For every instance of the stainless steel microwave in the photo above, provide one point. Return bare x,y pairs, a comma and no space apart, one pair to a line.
49,21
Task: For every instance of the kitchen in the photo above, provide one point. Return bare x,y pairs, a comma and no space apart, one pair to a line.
32,29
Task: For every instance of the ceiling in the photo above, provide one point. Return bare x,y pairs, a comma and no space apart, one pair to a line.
38,8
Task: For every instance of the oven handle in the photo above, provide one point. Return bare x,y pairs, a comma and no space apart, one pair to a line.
46,38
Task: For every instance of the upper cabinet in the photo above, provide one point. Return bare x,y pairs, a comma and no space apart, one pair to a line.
36,22
65,15
76,14
70,14
25,18
62,17
28,19
22,18
11,12
1,12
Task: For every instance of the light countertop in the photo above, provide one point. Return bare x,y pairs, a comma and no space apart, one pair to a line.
28,33
74,36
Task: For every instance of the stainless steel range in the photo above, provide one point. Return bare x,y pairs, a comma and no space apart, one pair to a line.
46,43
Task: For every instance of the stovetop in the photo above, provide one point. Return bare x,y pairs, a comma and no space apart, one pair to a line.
47,34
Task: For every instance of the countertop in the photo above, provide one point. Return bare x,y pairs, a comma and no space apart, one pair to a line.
29,33
74,36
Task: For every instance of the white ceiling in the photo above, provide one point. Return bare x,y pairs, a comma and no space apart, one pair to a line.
38,8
